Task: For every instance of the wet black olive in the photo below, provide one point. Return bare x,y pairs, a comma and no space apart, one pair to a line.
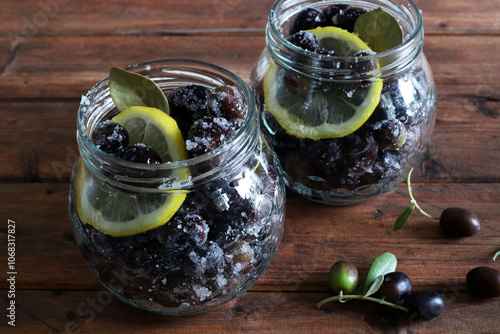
458,222
396,286
424,304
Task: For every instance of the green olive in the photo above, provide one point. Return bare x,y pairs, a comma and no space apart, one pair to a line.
243,257
343,277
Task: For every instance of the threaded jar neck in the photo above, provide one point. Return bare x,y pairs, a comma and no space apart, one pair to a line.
316,65
97,106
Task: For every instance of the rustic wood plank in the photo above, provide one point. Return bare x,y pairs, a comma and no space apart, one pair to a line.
315,236
453,156
25,19
64,67
460,17
41,143
96,311
67,67
459,66
64,17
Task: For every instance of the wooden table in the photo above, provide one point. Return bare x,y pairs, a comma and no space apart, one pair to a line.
53,51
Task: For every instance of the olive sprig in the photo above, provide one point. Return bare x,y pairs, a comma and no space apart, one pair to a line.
454,222
403,217
382,285
344,281
367,296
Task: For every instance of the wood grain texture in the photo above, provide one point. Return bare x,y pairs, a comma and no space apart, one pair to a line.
66,17
67,67
41,140
19,19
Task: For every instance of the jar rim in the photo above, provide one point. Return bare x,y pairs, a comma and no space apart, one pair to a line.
201,67
414,37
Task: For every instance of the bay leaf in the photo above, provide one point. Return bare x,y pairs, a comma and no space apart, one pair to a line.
379,29
129,89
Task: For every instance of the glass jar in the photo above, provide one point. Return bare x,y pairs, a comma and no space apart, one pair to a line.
372,160
224,234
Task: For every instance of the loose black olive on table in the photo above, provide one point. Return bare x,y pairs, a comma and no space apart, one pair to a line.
484,281
424,305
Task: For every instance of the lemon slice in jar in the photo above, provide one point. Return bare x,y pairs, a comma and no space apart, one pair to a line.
117,212
305,109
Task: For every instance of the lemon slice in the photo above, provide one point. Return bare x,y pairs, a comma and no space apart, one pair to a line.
118,213
344,43
154,128
305,110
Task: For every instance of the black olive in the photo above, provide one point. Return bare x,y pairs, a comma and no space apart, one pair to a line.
458,222
484,281
396,286
424,304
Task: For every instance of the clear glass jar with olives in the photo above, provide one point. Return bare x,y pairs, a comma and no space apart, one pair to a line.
175,212
346,119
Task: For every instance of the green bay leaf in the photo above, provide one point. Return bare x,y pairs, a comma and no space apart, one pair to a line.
379,29
129,89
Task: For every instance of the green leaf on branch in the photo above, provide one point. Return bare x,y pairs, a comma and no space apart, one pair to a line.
403,217
384,264
375,286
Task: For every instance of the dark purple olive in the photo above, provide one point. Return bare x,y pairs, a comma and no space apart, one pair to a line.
227,101
343,277
190,99
458,222
139,153
396,286
424,304
307,19
187,104
484,281
390,133
208,133
305,40
332,12
110,136
347,18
